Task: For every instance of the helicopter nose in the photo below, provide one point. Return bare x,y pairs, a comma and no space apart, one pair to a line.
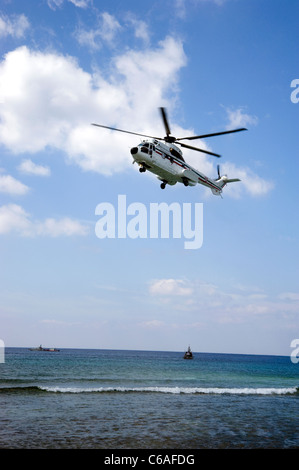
134,150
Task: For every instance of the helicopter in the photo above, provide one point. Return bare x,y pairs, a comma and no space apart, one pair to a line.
163,157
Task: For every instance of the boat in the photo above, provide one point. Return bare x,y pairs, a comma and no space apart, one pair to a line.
188,354
40,348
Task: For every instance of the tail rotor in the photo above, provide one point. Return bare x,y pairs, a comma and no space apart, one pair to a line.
219,175
223,180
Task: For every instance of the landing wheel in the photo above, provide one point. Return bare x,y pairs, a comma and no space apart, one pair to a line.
142,169
185,181
162,185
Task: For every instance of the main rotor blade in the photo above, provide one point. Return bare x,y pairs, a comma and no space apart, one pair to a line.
199,150
165,120
211,135
127,132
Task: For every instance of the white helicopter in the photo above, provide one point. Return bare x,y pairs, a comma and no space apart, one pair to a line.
160,156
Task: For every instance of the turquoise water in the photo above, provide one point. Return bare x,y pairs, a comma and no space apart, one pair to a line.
142,399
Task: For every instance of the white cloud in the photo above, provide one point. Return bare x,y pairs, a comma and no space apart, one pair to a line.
239,118
31,168
81,3
250,182
293,296
62,227
140,27
89,38
109,26
48,100
106,30
39,94
181,7
219,305
152,324
53,4
217,2
14,26
10,185
14,219
170,287
59,323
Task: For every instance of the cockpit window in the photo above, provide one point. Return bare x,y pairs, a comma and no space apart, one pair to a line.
144,148
176,154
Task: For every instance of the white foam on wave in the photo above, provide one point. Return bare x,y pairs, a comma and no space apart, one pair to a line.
176,390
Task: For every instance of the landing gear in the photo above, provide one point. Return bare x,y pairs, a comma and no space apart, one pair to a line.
163,185
142,169
185,181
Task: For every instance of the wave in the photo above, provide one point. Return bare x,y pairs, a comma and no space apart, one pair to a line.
167,390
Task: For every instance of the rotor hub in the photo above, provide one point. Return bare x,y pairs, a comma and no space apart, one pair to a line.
169,139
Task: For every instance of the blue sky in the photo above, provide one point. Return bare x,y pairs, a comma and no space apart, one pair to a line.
215,65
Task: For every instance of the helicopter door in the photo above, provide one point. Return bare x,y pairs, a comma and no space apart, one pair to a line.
152,153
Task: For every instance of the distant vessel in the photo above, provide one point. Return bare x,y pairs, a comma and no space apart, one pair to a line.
40,348
188,354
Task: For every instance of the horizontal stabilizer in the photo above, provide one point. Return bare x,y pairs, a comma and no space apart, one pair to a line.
232,180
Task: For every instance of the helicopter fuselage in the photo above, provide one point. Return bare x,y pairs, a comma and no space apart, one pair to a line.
166,161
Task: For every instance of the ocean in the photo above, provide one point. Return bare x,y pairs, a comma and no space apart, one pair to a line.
112,399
